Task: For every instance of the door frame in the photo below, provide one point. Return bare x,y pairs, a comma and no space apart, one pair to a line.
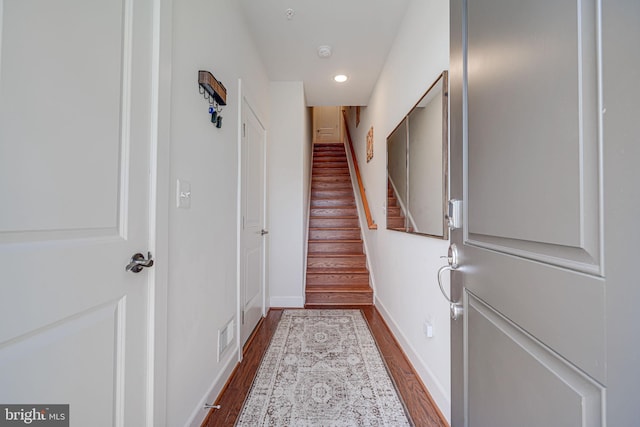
457,44
242,100
159,206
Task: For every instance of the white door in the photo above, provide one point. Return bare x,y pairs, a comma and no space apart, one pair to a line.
327,124
529,349
74,183
252,249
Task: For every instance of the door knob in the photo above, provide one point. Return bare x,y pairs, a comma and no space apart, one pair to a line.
263,232
138,262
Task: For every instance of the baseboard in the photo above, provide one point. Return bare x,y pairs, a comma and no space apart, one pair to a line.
199,413
286,302
435,388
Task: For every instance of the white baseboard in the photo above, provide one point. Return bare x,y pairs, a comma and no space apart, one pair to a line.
286,302
435,388
199,413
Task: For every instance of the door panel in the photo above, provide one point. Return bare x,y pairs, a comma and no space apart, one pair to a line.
253,210
554,394
74,173
252,301
537,297
327,124
45,354
525,130
533,173
50,76
520,111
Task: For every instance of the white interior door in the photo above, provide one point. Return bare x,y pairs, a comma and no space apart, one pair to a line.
530,347
327,124
252,258
74,179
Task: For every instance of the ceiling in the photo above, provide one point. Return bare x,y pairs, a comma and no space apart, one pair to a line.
360,33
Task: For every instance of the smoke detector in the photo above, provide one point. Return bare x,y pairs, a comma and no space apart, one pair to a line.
324,51
289,13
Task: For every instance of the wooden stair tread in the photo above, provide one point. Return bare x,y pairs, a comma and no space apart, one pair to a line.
344,270
335,217
330,255
334,228
348,198
338,278
336,240
340,288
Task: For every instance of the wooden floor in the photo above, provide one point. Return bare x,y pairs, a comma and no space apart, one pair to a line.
421,408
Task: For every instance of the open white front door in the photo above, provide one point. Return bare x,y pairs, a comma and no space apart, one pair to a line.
253,233
75,120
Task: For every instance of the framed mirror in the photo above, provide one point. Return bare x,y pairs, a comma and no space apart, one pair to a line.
417,166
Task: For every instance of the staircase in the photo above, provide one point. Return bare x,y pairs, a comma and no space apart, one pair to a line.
336,264
395,218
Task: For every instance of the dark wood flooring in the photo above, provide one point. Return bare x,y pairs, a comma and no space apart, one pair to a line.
419,403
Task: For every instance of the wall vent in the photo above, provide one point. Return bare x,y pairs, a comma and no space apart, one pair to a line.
225,338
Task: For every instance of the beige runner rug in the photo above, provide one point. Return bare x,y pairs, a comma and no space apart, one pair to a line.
322,368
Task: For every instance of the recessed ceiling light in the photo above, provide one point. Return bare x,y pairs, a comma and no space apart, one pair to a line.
340,78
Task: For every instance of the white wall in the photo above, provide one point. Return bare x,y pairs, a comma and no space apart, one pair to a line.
202,240
288,160
404,266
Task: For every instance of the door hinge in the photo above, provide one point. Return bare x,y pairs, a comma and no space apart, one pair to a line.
244,130
243,317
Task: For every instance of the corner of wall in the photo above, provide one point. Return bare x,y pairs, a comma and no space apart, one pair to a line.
288,174
199,413
437,391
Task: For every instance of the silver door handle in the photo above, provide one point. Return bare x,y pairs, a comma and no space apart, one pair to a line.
138,262
455,307
263,232
440,271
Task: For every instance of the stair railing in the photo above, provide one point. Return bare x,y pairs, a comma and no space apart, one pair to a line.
363,196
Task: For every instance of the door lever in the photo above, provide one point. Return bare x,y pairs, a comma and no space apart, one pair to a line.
138,262
452,259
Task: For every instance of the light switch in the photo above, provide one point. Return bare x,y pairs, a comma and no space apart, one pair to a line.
183,194
427,328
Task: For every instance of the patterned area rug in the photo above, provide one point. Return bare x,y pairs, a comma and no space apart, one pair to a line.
322,368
